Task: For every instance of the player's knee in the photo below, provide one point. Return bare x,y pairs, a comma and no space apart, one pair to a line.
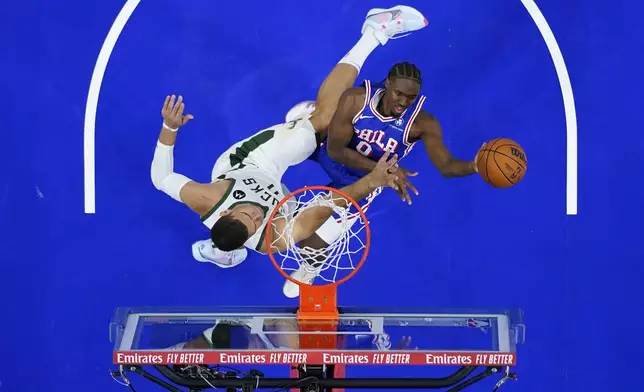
321,119
229,233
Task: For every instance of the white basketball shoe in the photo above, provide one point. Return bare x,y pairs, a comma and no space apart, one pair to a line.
305,274
300,111
205,252
393,23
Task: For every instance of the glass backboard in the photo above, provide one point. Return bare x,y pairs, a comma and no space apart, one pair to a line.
359,344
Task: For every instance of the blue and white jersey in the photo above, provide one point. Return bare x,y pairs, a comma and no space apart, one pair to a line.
373,134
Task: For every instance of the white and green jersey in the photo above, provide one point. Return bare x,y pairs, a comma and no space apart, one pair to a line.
250,185
256,166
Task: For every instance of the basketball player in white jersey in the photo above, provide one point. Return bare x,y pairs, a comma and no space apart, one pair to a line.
246,179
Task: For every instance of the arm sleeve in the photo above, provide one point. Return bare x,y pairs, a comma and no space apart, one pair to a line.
162,172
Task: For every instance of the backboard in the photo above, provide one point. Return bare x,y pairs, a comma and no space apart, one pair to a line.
271,347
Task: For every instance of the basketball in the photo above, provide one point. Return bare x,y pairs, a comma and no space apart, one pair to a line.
502,162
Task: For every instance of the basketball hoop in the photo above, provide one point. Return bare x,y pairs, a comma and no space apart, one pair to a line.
319,302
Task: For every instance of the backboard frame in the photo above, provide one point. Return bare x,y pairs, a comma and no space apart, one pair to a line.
126,321
127,326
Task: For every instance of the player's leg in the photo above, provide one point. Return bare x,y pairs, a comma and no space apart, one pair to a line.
380,26
293,142
281,146
324,236
276,148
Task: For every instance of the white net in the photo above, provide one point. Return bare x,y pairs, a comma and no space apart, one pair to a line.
345,232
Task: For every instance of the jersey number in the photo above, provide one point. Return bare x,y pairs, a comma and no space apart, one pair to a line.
364,148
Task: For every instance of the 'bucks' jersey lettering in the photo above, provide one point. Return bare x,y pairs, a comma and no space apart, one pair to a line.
269,194
249,185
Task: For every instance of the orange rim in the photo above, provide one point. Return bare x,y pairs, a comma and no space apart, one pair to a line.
268,233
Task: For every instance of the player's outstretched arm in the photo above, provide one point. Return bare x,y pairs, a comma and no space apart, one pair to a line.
341,131
175,185
310,219
432,137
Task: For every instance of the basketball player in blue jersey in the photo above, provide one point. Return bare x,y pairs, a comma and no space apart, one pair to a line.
383,116
369,120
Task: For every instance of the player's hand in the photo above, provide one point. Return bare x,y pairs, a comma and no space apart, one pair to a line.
384,174
475,165
402,183
172,112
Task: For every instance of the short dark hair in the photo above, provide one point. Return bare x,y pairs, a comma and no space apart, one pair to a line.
228,233
405,70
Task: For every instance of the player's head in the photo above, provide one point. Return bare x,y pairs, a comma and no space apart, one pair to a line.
236,225
402,87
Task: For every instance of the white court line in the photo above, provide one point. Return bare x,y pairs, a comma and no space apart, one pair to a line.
531,7
89,149
568,101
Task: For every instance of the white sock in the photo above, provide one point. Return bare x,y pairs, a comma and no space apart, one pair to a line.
359,53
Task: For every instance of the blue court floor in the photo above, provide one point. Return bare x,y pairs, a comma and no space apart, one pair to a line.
487,73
